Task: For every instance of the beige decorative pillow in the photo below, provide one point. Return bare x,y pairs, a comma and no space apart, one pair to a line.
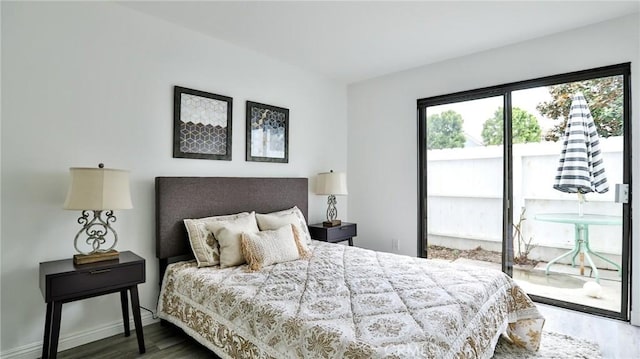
269,247
228,234
275,220
203,243
269,222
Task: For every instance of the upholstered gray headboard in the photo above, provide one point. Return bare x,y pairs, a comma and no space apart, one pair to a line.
178,198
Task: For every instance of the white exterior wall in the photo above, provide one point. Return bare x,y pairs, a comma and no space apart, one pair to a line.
84,83
465,195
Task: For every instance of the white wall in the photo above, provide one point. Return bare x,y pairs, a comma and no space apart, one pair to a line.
463,183
383,121
93,82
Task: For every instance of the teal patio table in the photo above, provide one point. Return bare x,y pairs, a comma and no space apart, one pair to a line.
581,245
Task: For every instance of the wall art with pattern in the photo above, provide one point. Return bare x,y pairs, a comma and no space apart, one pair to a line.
201,125
267,133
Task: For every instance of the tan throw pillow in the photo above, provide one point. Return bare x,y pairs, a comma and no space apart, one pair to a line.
269,247
275,220
203,244
228,235
269,222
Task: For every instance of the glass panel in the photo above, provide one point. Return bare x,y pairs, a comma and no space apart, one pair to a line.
568,245
464,175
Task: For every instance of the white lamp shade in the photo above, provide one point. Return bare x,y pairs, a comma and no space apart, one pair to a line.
98,189
331,183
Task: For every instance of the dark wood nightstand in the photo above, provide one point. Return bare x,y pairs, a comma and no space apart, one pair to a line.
344,232
62,282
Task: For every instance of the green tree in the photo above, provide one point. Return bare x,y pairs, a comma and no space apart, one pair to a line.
444,130
604,96
524,127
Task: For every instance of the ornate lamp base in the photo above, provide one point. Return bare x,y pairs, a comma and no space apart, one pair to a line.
95,257
332,213
96,230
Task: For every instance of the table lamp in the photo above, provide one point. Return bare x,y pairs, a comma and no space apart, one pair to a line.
331,184
97,190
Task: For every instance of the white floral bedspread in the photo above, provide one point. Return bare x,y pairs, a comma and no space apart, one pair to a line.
348,302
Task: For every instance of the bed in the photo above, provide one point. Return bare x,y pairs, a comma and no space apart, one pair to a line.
339,302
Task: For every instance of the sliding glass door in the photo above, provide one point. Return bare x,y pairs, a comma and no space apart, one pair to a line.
464,182
530,178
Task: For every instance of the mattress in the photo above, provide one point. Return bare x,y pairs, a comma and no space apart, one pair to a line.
349,302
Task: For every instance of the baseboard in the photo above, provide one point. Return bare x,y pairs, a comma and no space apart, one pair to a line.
34,350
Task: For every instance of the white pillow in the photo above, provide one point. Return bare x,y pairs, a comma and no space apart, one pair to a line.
293,216
228,234
269,247
203,243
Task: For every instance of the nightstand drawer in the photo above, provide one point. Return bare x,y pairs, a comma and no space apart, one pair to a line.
341,232
62,280
333,234
96,280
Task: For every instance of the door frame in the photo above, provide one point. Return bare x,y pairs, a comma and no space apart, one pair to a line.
505,90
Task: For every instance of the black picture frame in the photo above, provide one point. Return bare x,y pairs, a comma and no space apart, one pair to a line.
201,124
268,125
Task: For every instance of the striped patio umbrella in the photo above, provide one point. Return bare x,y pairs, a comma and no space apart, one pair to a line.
581,169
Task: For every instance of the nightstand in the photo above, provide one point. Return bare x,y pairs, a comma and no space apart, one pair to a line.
344,232
62,282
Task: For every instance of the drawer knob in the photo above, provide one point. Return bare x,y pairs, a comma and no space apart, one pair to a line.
100,271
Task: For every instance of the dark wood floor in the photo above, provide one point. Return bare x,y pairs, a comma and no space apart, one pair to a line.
160,342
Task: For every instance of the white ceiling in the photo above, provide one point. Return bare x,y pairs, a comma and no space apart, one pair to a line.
357,40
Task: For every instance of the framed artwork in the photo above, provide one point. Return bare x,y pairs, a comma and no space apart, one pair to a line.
267,133
201,125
